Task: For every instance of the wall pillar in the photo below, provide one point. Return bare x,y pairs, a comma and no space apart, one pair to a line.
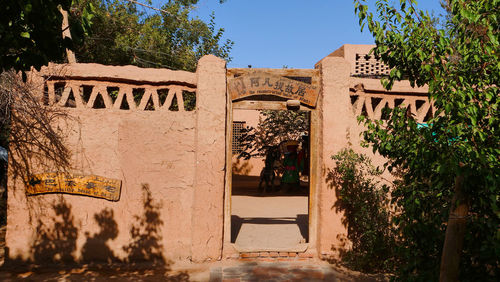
336,117
208,197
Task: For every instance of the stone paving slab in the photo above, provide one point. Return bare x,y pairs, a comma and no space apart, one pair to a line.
282,271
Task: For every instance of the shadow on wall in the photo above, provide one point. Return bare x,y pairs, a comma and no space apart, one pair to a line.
241,167
365,207
332,180
59,242
56,245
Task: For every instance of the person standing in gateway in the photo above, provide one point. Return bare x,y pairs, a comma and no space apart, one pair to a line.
291,179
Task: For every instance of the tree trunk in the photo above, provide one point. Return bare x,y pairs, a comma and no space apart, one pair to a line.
455,231
67,33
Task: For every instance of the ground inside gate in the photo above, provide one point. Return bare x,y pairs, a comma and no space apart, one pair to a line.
275,221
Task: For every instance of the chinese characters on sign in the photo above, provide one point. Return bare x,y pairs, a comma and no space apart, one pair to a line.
89,185
262,83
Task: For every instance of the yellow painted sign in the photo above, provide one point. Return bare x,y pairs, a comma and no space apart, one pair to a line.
263,83
87,185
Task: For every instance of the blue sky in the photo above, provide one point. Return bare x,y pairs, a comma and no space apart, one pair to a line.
293,33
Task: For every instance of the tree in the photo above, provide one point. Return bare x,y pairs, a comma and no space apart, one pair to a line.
274,127
451,165
121,34
31,35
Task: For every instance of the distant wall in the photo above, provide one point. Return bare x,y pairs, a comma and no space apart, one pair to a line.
254,165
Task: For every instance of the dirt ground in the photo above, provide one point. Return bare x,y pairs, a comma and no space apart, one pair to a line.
272,221
279,217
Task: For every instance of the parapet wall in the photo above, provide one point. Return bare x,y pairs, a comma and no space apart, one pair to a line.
163,134
138,126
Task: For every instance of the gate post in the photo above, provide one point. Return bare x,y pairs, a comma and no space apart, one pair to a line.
336,115
208,197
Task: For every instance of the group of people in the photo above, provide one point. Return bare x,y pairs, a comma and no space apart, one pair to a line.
293,164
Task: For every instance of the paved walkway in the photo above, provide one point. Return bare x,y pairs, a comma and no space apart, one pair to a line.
268,221
272,272
276,223
221,271
287,271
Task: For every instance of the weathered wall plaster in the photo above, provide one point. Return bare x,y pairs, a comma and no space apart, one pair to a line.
157,154
172,163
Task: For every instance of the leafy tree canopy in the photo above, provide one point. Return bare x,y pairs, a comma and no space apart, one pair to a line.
460,64
122,33
31,35
274,127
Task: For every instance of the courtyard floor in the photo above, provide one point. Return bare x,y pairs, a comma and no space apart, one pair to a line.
269,221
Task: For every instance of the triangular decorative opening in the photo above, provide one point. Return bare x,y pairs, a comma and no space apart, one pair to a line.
398,102
354,99
70,102
58,90
189,100
150,105
99,102
386,113
138,94
429,115
419,103
86,92
364,112
124,105
113,93
174,106
409,111
375,102
162,95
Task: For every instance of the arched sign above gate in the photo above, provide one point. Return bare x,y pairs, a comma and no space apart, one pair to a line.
265,83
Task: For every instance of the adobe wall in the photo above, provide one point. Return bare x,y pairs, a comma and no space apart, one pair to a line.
347,92
171,161
170,164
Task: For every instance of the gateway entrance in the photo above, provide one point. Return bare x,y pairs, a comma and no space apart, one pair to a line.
270,180
271,160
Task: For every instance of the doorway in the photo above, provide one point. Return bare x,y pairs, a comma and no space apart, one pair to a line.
288,221
270,180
